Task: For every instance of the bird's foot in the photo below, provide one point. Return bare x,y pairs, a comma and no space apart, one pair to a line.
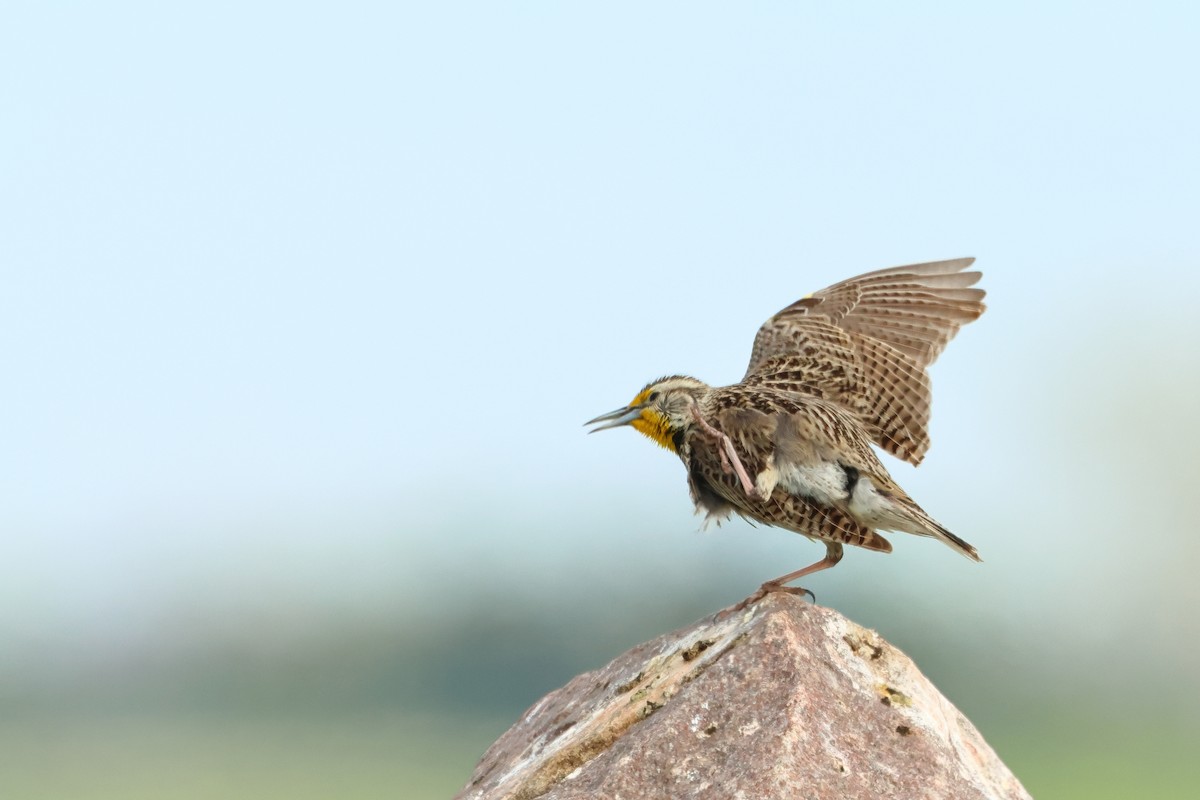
770,587
729,468
726,467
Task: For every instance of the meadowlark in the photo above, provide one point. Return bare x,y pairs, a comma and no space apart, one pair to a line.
790,445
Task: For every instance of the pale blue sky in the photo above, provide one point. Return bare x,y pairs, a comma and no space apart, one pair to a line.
304,305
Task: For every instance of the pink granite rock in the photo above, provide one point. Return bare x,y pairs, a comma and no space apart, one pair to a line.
782,700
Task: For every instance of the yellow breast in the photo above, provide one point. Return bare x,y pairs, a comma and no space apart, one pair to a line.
655,426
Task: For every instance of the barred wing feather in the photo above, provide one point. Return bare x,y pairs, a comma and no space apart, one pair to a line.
865,343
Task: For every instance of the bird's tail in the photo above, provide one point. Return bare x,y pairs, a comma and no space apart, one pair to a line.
928,526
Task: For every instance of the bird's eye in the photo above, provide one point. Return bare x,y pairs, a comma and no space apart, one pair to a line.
653,396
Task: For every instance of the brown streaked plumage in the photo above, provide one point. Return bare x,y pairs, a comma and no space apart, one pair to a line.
864,343
830,374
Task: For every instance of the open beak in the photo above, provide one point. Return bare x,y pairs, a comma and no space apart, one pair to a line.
615,419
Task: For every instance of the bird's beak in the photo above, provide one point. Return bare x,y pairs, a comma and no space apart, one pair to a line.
615,419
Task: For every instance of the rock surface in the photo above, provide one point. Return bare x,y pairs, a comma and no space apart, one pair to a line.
781,700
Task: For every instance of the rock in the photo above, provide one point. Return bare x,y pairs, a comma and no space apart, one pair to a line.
782,700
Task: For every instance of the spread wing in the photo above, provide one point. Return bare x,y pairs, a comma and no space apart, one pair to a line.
865,343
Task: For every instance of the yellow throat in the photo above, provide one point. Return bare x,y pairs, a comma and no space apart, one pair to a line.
653,424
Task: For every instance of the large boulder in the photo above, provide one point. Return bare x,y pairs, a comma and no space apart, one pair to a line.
783,699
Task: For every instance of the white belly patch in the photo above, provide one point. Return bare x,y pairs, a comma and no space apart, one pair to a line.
824,482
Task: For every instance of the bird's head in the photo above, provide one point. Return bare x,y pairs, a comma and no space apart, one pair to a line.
661,411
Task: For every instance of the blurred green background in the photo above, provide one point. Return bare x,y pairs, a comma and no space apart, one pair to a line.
304,306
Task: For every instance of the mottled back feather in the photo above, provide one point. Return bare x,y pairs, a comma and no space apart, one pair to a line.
865,343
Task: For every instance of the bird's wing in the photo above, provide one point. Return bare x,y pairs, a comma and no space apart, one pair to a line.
865,343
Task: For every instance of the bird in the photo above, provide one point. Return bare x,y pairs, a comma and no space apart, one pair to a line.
832,374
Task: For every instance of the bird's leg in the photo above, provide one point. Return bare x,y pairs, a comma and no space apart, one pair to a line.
730,462
833,554
721,438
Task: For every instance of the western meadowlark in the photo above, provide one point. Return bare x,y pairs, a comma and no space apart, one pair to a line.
790,445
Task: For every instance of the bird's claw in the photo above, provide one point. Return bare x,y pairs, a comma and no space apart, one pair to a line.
769,588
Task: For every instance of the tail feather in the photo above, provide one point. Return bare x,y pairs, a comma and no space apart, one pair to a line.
889,508
938,531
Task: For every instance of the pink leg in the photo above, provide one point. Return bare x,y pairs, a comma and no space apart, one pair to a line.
729,456
715,434
833,554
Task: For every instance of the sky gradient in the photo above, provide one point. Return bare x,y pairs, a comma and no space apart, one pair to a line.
304,307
